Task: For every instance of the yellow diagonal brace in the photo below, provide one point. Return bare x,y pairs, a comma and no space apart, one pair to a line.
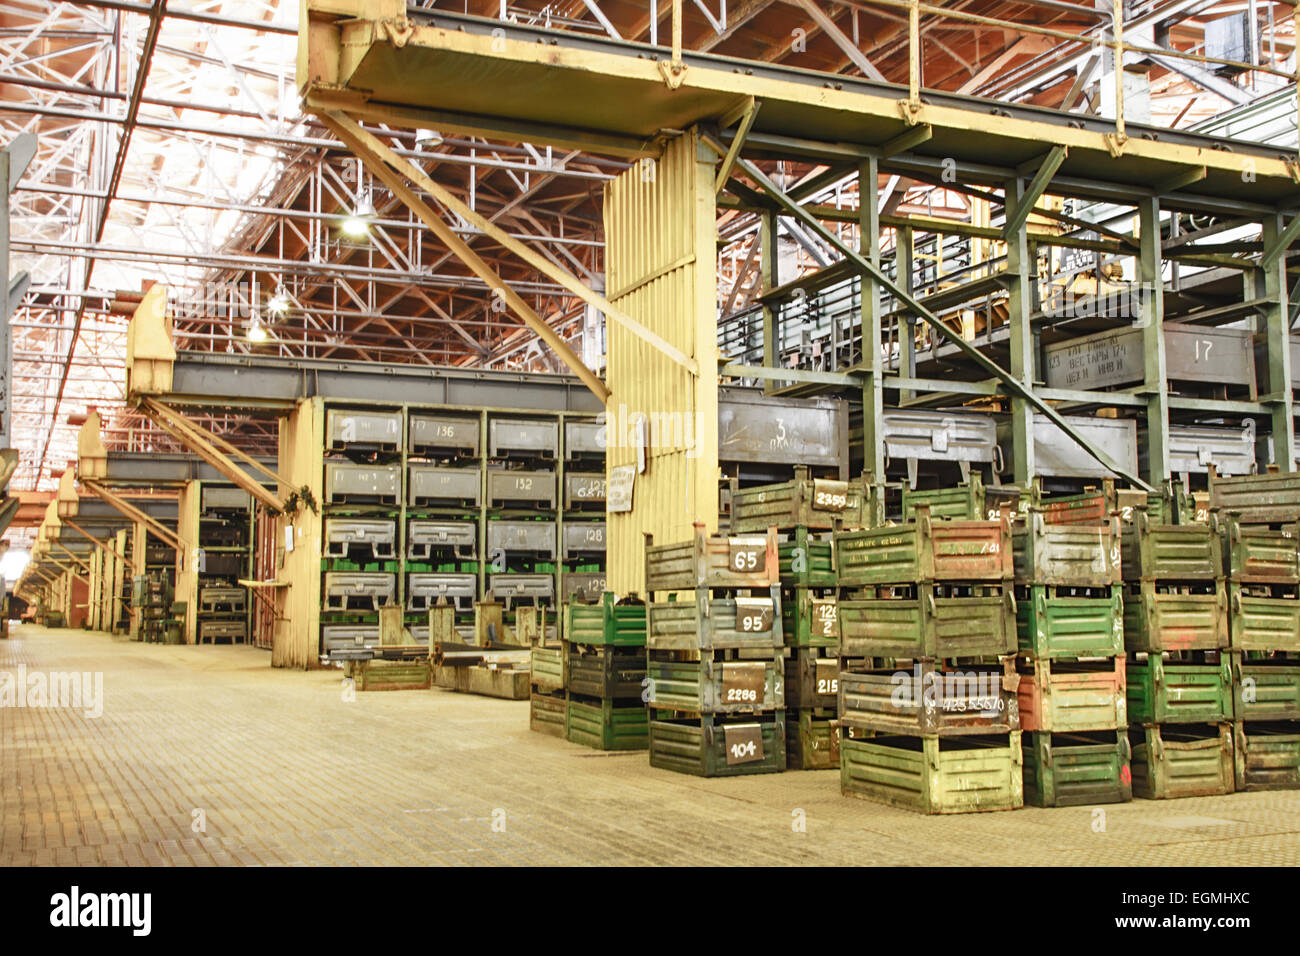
102,545
67,570
135,514
205,446
383,154
85,566
737,141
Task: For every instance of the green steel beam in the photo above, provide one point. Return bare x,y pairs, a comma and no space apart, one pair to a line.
1272,285
872,330
1020,278
1018,213
1151,321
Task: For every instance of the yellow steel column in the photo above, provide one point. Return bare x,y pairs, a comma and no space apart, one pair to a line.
187,576
296,642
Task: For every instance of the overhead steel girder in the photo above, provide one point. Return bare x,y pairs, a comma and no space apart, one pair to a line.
99,512
98,536
161,469
1009,382
135,514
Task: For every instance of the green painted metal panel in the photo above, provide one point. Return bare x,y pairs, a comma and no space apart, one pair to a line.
1049,625
713,561
1061,696
1071,555
1258,499
607,724
1172,761
716,687
547,714
803,502
812,678
612,622
1169,552
699,747
806,562
923,551
714,623
812,740
1077,769
1167,692
926,700
1163,620
928,626
1266,756
1265,689
1262,555
935,774
602,671
810,620
1262,623
547,668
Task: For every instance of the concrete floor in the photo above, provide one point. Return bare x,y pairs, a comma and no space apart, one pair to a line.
208,756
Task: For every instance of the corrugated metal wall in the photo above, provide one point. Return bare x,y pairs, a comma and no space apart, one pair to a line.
660,262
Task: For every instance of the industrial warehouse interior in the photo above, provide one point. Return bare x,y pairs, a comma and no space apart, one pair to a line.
651,433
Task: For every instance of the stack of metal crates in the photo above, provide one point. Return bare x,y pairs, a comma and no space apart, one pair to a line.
225,537
927,698
547,707
1260,515
804,512
363,481
1179,679
715,659
604,667
1070,631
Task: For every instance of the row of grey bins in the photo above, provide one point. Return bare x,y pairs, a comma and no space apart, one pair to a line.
371,590
441,486
429,538
441,435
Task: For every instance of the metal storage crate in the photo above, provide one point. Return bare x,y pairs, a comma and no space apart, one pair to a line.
583,539
1265,689
1262,556
1077,769
1176,620
535,538
547,714
930,701
1266,756
718,623
814,503
594,670
1068,696
971,500
1258,499
347,428
812,679
607,724
1194,449
1182,761
962,438
223,564
713,561
523,438
806,562
810,620
518,489
547,668
928,626
1050,623
214,600
341,637
585,586
1153,552
234,631
1066,555
722,747
584,440
436,435
216,498
812,741
433,485
923,551
1262,622
714,687
964,774
346,483
343,535
511,589
424,590
1057,455
426,539
584,491
1198,354
1174,692
1097,505
353,590
607,623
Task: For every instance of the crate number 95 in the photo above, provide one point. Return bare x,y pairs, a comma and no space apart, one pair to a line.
753,622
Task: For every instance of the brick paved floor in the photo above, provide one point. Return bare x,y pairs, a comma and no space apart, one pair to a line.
283,771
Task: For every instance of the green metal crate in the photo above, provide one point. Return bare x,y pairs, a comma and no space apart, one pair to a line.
606,724
1261,555
927,700
1266,689
700,747
1169,692
1182,761
1069,555
547,664
928,626
715,687
1067,696
716,623
935,774
390,675
925,550
1266,756
1258,499
1077,769
547,714
810,620
1257,623
1170,552
1049,625
964,502
1163,620
609,622
804,502
806,562
812,740
602,671
812,678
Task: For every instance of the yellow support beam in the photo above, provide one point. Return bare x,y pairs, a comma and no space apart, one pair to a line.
103,545
135,514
